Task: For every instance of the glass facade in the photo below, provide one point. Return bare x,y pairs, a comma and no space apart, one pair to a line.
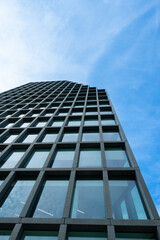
90,158
52,199
126,201
37,158
12,159
63,158
116,157
88,200
16,199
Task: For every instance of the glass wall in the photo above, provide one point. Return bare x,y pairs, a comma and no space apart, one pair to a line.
126,201
88,200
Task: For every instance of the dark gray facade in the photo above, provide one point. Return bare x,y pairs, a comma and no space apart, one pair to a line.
67,135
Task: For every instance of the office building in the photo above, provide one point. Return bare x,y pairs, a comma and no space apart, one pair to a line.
66,168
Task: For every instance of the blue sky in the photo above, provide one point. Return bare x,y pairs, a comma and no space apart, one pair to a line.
104,43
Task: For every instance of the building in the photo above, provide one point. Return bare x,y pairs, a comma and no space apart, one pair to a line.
66,168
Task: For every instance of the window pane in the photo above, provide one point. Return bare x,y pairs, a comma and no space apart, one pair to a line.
37,158
88,200
91,122
70,137
41,123
25,124
9,125
10,138
91,136
12,159
116,157
5,234
49,114
76,113
92,113
16,199
51,202
105,112
42,235
111,136
64,158
87,235
131,236
50,137
74,123
57,123
126,201
29,138
108,121
90,158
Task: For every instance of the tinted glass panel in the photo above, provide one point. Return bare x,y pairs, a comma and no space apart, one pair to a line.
9,125
70,137
88,200
11,138
57,123
91,122
126,201
87,236
5,234
41,123
91,136
64,158
29,138
51,202
92,113
12,159
108,122
37,158
50,137
90,158
25,124
116,157
16,199
111,136
74,123
42,235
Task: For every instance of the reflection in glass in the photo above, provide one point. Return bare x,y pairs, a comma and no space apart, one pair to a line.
37,158
108,121
5,234
88,200
25,124
42,235
70,137
90,136
57,123
29,138
16,199
74,122
10,138
87,236
90,158
91,122
41,123
111,136
9,125
131,236
49,137
12,159
52,199
63,158
126,201
116,157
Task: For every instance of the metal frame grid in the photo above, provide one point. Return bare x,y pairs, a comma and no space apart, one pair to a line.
63,99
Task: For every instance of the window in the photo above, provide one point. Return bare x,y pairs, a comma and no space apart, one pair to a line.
37,158
111,136
88,200
116,157
70,137
76,113
42,235
87,236
52,199
9,125
63,158
35,114
41,123
90,157
29,138
49,137
90,137
131,236
11,138
126,201
57,123
75,122
5,234
92,113
91,122
25,124
12,159
15,201
49,114
106,112
108,121
62,113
